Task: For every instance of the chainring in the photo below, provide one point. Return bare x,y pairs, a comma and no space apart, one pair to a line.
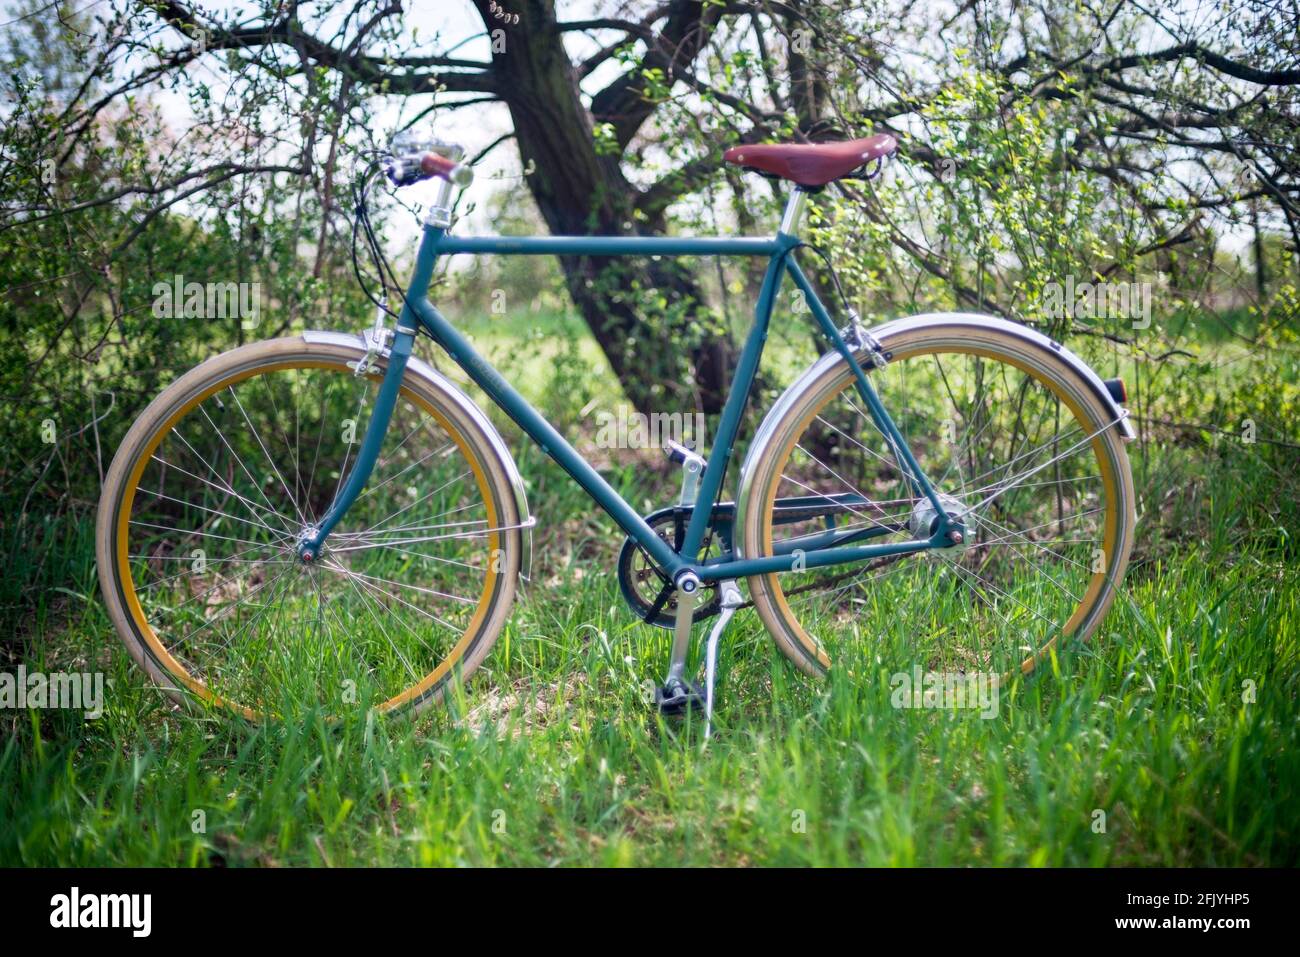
647,587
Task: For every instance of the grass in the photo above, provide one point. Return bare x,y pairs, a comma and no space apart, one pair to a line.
1170,739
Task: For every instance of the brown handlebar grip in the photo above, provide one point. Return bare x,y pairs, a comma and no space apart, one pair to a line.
434,165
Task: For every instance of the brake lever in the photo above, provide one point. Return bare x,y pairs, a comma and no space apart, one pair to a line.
403,170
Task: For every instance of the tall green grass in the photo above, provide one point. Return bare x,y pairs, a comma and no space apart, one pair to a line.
1178,725
1170,739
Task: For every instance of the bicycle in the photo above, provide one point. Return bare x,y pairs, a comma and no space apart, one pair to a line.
258,556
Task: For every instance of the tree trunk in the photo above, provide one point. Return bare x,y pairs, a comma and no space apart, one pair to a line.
667,348
1261,276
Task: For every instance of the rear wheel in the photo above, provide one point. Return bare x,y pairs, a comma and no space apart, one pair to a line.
211,489
1014,441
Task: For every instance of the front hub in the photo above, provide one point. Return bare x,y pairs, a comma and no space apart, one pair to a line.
307,547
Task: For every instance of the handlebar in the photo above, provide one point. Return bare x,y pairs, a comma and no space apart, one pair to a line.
405,170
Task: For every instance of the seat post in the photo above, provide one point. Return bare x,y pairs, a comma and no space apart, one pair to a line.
793,211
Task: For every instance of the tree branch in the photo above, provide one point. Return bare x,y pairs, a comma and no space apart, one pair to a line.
372,71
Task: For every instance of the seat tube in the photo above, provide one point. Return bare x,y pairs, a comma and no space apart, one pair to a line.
743,380
737,398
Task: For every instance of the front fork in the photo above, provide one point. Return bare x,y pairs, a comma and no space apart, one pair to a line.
312,538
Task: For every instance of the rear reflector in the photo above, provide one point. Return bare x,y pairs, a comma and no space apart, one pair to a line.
1116,389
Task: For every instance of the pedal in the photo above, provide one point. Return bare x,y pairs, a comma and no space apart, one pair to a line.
678,696
679,453
693,465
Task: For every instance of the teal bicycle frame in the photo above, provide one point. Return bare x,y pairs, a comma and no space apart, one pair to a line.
812,551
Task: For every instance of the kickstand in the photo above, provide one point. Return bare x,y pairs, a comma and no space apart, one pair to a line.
731,600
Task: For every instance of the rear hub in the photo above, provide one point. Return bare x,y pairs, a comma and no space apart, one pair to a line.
925,520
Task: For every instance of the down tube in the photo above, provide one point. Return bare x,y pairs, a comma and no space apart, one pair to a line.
544,434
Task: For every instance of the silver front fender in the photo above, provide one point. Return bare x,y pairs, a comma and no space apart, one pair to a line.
884,334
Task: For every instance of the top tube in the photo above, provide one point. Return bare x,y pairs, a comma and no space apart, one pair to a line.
614,245
443,243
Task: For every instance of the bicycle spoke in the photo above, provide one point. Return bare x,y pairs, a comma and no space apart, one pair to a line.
1006,458
211,548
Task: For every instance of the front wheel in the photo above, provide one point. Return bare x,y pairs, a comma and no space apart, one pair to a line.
1016,443
219,477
